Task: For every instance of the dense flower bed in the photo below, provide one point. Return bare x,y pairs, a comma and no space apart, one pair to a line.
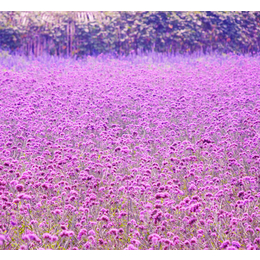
111,155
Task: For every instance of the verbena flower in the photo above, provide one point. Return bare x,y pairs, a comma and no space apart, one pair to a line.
225,244
97,170
131,247
19,187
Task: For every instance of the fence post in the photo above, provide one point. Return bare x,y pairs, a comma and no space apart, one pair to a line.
67,39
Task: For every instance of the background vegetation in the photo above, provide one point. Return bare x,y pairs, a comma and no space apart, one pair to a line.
90,33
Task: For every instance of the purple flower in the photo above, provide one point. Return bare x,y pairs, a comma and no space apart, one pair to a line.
23,247
200,231
135,242
25,237
101,241
202,222
192,187
57,212
54,238
16,201
104,218
231,248
92,232
33,237
187,243
117,149
2,238
82,232
236,244
193,240
154,238
19,187
113,231
122,214
250,247
225,244
64,234
257,241
70,233
131,247
87,245
93,240
192,221
47,236
63,227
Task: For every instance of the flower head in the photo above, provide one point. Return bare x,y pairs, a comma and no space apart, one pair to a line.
19,187
131,247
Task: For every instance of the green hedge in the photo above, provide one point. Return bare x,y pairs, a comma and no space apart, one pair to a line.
88,33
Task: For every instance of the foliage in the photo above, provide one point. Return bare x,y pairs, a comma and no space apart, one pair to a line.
88,33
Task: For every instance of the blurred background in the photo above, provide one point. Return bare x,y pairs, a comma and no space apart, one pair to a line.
77,34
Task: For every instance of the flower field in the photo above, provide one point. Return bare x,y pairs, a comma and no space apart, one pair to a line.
112,154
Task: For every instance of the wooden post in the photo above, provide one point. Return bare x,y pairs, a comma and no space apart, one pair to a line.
67,40
30,47
38,44
44,44
70,38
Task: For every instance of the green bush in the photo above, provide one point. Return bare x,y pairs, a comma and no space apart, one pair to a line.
88,33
